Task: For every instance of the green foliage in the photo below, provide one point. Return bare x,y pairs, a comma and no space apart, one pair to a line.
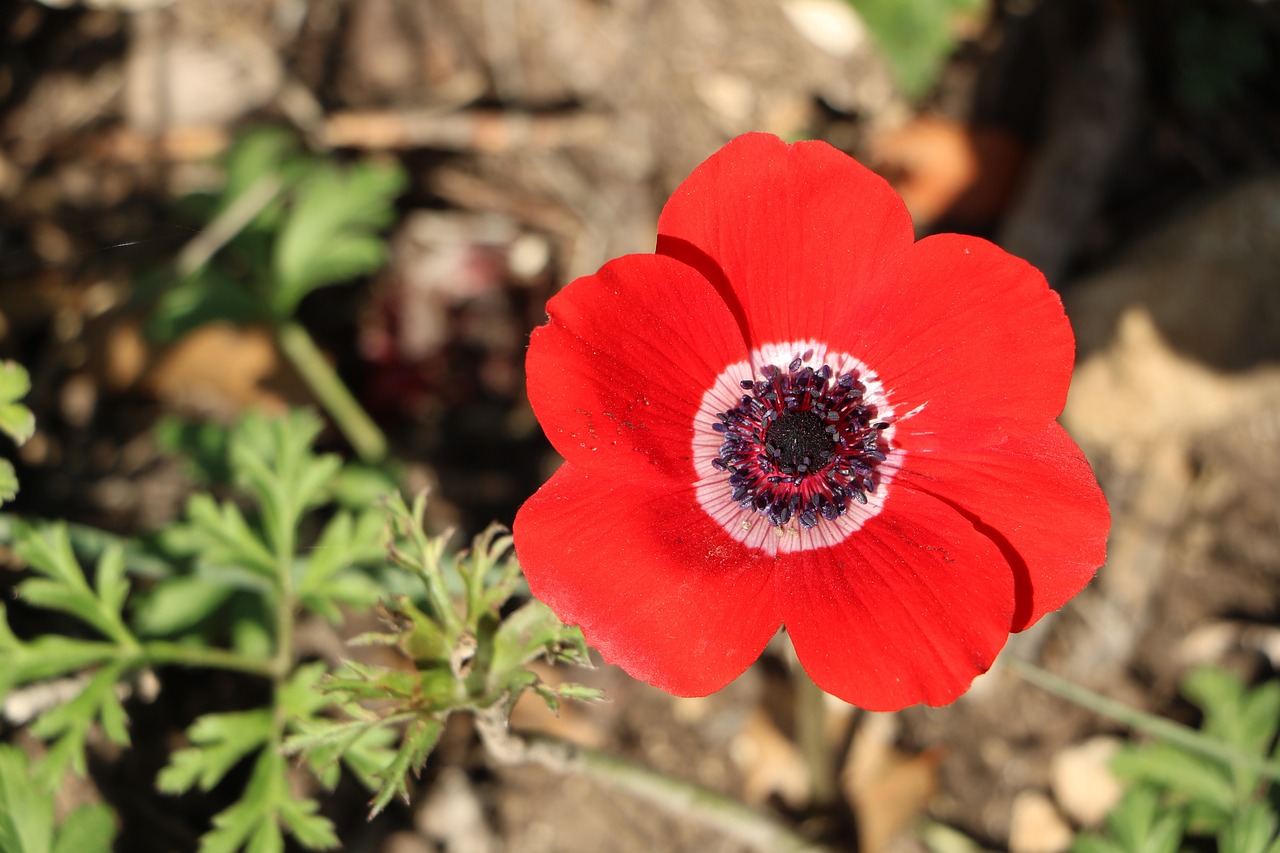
298,221
26,815
1178,794
300,535
16,421
203,446
466,657
233,555
916,36
222,741
239,570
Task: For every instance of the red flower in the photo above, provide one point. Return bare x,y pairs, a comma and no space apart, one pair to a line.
794,415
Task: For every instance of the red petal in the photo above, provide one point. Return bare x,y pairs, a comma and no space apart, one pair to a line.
1037,499
619,371
969,333
784,231
909,609
657,587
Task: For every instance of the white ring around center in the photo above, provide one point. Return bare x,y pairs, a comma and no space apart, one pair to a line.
752,528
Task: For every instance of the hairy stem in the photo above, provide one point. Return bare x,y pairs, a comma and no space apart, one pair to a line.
353,421
227,225
678,798
811,737
160,653
1167,730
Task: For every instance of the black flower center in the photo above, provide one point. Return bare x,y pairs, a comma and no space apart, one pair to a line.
798,441
801,444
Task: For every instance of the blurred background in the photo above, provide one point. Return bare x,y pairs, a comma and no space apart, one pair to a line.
484,153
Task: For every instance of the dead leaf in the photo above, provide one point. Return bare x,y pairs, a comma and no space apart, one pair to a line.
887,788
770,763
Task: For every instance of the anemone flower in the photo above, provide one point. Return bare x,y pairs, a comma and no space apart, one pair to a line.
793,414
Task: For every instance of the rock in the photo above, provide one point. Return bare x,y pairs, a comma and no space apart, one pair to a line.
1083,783
181,70
1037,827
1171,399
453,815
1206,279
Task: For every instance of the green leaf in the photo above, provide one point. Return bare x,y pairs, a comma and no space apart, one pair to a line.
226,539
299,698
64,588
274,460
489,573
251,636
412,549
112,587
26,813
360,486
47,656
1258,719
1141,825
358,682
915,36
1090,843
67,725
1166,836
255,821
88,829
419,637
207,295
360,744
330,234
533,631
204,445
261,154
326,577
1170,767
1252,831
8,481
219,742
419,739
178,604
1242,718
16,420
90,543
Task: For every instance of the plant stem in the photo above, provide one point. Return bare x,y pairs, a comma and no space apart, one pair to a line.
354,422
159,653
811,737
678,798
227,225
1159,727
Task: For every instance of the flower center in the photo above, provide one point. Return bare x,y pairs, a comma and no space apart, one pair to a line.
802,443
799,441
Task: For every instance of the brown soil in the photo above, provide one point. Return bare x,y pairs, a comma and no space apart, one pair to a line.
1121,145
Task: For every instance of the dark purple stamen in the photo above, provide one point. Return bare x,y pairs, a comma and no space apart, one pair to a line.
800,445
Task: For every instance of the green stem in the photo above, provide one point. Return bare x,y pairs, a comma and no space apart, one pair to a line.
160,653
285,542
224,228
354,422
286,603
1179,735
678,798
811,737
685,799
